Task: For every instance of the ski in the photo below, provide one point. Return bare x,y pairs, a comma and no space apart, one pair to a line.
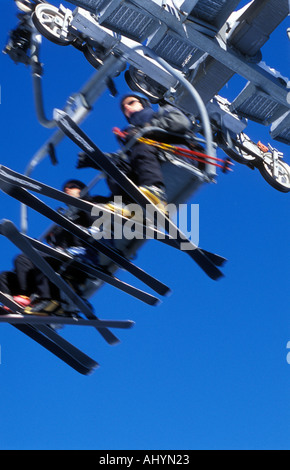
55,349
49,339
75,320
22,195
73,131
146,231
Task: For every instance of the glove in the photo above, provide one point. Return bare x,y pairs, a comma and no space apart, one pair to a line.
84,161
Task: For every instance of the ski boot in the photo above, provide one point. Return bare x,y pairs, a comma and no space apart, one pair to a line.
47,307
156,195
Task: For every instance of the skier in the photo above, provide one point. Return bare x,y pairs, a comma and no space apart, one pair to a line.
141,162
29,286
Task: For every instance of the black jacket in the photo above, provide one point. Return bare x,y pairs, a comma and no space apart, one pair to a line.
59,237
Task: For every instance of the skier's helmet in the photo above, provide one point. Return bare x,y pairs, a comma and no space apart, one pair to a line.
143,100
71,184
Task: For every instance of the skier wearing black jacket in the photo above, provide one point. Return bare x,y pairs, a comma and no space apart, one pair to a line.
142,162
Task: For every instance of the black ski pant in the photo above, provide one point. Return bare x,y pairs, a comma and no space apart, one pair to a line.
32,280
27,279
9,283
146,165
144,169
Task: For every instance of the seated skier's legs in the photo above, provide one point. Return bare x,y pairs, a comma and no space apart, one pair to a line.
144,169
31,288
146,166
15,286
45,295
148,174
25,272
9,285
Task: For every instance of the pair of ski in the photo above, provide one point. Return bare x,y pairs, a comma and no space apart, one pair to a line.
208,262
44,335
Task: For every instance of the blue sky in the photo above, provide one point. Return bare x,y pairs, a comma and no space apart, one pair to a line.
205,370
